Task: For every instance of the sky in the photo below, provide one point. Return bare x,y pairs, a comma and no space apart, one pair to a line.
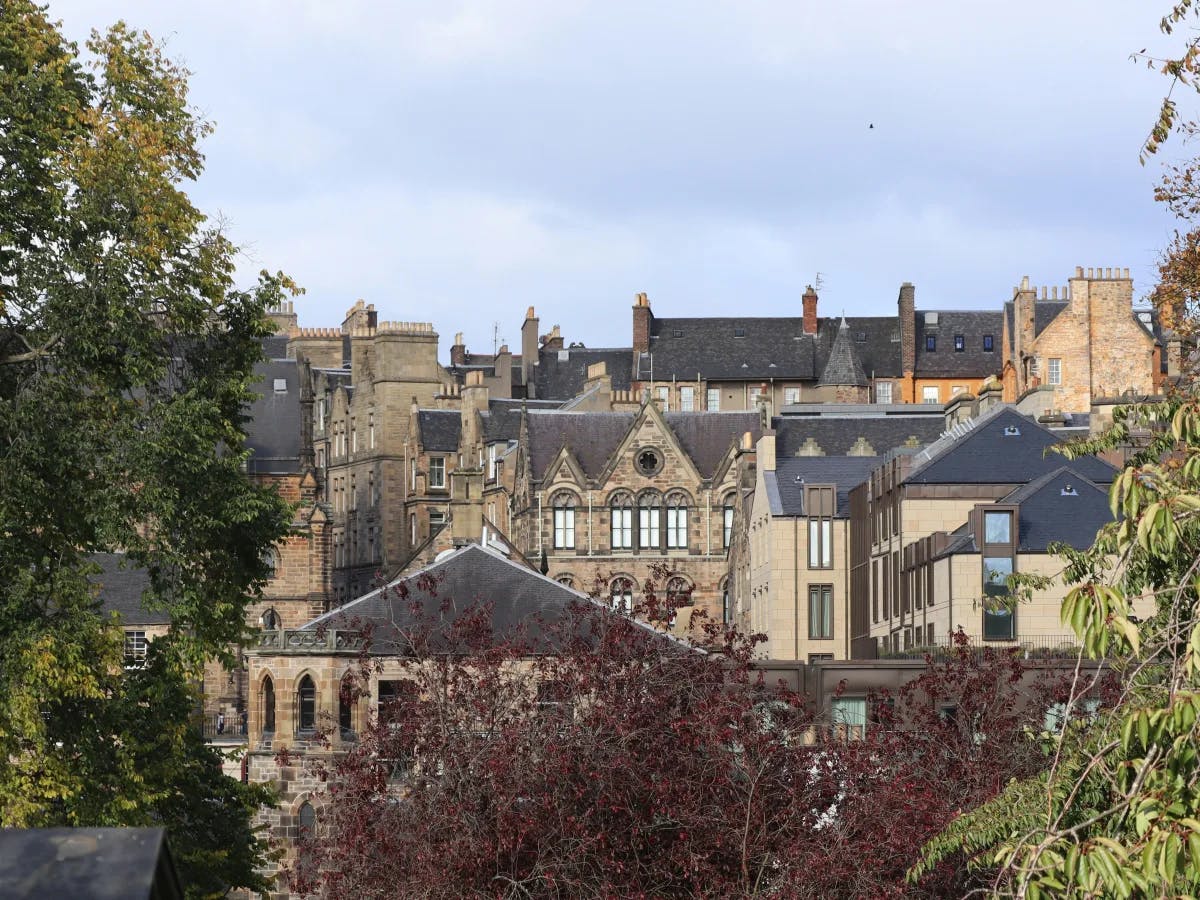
458,161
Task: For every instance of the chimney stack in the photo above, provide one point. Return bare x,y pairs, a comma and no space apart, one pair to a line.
529,351
458,352
906,311
641,324
810,310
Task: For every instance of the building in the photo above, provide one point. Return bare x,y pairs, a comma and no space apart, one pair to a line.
1084,341
789,563
914,494
605,497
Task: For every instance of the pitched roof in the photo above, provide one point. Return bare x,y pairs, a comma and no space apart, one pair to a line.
1062,506
562,374
502,419
836,435
785,485
273,426
591,436
707,437
1045,312
522,603
88,864
121,585
946,361
440,429
275,346
842,367
1000,447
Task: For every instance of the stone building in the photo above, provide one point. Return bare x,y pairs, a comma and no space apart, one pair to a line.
606,496
914,493
727,363
1084,341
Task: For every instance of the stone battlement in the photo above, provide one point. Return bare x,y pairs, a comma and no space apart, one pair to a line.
314,332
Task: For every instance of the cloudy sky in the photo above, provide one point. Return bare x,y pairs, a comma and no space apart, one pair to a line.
460,160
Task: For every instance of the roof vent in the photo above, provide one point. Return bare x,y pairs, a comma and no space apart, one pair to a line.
1069,491
1012,431
676,332
860,337
739,332
745,365
281,385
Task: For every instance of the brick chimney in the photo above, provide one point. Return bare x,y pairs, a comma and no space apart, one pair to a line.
553,340
810,310
906,312
529,350
642,317
458,352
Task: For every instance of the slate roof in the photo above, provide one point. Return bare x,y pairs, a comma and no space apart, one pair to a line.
273,428
979,452
591,436
121,586
275,346
502,419
836,436
523,602
708,436
768,348
440,429
1045,312
972,360
785,486
1046,515
842,366
88,864
561,374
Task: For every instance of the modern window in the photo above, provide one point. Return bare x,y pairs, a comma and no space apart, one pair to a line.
687,399
957,389
849,717
648,522
998,615
621,594
883,392
931,394
677,521
820,544
412,529
930,343
564,521
268,706
1053,371
960,343
752,395
306,697
437,472
714,400
664,397
437,518
621,516
997,528
727,522
989,343
820,612
791,395
135,648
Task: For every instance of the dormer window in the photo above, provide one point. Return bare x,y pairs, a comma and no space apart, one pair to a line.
988,343
931,343
739,332
960,343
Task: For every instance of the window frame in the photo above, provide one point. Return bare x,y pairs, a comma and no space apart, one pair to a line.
820,612
562,514
437,464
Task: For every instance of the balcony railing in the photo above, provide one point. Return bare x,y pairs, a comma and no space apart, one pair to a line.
291,641
221,729
1055,646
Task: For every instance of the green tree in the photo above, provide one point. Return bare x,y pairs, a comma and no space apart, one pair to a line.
126,361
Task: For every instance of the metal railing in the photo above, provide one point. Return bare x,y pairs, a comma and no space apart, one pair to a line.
1053,646
220,728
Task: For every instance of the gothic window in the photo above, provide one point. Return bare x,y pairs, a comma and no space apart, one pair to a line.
621,594
346,700
621,515
649,461
679,592
648,521
306,696
268,705
564,520
677,520
727,521
270,620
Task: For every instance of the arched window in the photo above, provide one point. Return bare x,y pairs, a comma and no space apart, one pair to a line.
306,696
621,594
270,560
677,520
621,514
270,620
346,702
305,857
564,520
679,591
566,581
727,521
649,505
726,603
308,819
268,706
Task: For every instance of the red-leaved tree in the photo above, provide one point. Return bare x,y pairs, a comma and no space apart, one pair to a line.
595,756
